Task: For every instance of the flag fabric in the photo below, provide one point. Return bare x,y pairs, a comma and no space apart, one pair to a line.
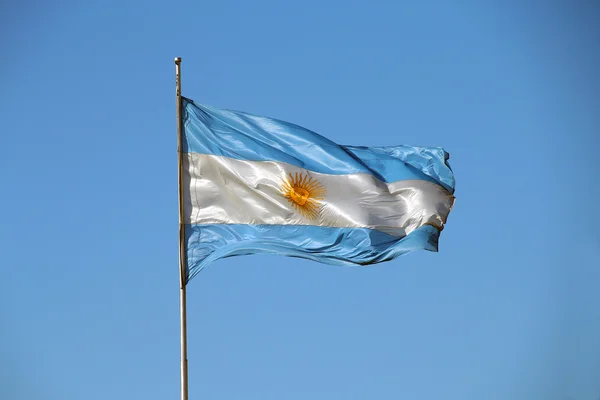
256,185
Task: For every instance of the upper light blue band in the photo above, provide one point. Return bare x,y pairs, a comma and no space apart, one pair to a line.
249,137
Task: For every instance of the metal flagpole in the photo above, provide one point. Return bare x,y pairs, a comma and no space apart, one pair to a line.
182,255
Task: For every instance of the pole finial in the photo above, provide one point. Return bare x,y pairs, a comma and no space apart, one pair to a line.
177,60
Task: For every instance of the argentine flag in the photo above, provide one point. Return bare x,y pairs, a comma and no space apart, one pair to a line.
259,185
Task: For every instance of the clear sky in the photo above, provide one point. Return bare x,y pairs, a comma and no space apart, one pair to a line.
508,309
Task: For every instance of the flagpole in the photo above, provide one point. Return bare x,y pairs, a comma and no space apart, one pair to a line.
182,255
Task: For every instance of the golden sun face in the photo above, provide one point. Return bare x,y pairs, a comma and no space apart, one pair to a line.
304,193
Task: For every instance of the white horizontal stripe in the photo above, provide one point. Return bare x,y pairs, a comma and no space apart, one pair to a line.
222,190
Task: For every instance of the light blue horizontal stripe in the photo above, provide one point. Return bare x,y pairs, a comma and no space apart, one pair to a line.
337,246
249,137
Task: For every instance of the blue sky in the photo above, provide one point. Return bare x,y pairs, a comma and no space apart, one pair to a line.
508,309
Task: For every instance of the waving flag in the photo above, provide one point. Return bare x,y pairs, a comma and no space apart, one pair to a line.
258,185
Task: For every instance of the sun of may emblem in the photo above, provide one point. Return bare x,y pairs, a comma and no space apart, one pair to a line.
304,193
